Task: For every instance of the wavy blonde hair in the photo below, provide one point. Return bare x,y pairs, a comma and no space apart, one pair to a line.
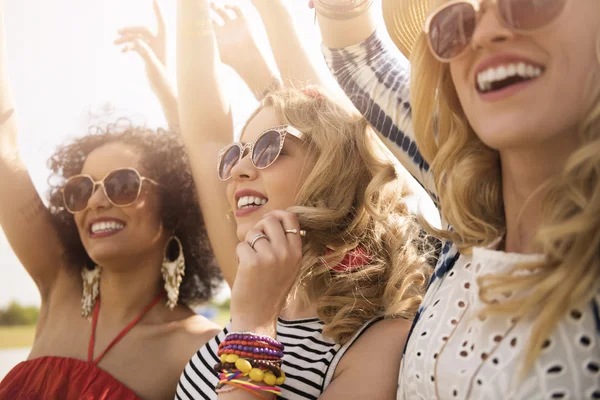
468,181
351,198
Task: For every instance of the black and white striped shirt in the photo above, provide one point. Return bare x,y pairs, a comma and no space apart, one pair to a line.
309,361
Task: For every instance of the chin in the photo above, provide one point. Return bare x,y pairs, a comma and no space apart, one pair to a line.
105,254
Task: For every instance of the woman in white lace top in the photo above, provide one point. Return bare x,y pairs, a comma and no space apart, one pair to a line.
502,128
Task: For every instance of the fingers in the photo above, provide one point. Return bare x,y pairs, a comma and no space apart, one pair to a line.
160,19
220,12
255,236
235,9
141,31
130,38
244,252
144,50
288,221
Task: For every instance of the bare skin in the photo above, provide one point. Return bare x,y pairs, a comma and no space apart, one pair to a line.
206,128
162,338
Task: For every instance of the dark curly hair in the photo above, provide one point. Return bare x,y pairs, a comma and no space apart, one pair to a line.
164,160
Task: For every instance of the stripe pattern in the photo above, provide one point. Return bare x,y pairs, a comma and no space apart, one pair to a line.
309,361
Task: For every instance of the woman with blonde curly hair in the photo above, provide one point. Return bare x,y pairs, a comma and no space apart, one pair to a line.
505,109
320,251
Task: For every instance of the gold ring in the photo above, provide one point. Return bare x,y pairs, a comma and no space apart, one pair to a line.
294,231
255,238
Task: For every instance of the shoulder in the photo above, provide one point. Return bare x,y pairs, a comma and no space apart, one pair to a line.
188,335
195,331
374,357
386,337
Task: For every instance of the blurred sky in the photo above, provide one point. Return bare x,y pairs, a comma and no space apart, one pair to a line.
65,68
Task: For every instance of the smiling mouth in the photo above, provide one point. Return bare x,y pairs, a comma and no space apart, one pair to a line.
245,202
500,77
105,228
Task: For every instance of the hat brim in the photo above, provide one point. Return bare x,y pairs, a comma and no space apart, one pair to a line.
404,20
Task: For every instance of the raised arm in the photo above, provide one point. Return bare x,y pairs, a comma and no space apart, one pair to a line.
295,59
23,217
239,49
152,48
206,123
375,78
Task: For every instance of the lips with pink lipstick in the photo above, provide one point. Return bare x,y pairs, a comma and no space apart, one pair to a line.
104,227
503,75
248,201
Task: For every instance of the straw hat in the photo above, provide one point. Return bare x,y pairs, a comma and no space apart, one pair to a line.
404,20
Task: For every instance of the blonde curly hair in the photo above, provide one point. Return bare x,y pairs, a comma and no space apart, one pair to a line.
352,198
468,181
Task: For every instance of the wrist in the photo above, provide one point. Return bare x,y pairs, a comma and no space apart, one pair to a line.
260,78
264,326
342,9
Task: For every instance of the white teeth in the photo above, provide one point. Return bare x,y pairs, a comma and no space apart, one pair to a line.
106,226
250,201
487,77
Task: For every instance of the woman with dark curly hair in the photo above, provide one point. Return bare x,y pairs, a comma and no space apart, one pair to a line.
123,214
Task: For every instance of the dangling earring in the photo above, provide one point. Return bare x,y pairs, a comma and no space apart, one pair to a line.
173,270
91,288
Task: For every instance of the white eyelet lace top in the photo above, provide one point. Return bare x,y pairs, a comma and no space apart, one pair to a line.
455,354
451,354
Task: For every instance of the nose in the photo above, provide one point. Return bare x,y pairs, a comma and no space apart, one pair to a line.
98,200
244,170
489,30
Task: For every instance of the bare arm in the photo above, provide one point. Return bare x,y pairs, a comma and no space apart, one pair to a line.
296,61
239,49
24,218
376,78
152,49
370,368
206,123
338,33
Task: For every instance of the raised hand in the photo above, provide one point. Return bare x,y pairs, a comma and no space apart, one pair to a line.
152,48
269,262
155,43
238,47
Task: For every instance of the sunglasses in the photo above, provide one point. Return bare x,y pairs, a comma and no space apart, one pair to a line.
450,28
264,150
122,188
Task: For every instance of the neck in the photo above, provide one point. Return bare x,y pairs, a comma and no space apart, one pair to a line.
127,288
298,307
525,175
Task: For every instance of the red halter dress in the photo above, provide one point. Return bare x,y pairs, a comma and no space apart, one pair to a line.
63,378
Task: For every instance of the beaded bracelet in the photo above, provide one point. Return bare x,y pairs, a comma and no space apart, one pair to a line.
246,343
275,369
244,354
257,351
244,367
249,336
343,9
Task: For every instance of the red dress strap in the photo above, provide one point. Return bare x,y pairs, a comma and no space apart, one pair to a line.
120,335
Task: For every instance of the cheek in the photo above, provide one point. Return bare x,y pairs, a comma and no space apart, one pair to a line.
78,218
460,81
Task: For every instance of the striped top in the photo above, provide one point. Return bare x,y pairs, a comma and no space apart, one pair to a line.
452,354
309,361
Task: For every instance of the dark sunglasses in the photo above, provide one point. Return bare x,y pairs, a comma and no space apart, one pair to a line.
264,150
450,28
122,188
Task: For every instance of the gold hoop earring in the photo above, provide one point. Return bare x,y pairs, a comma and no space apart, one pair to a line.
173,269
91,289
